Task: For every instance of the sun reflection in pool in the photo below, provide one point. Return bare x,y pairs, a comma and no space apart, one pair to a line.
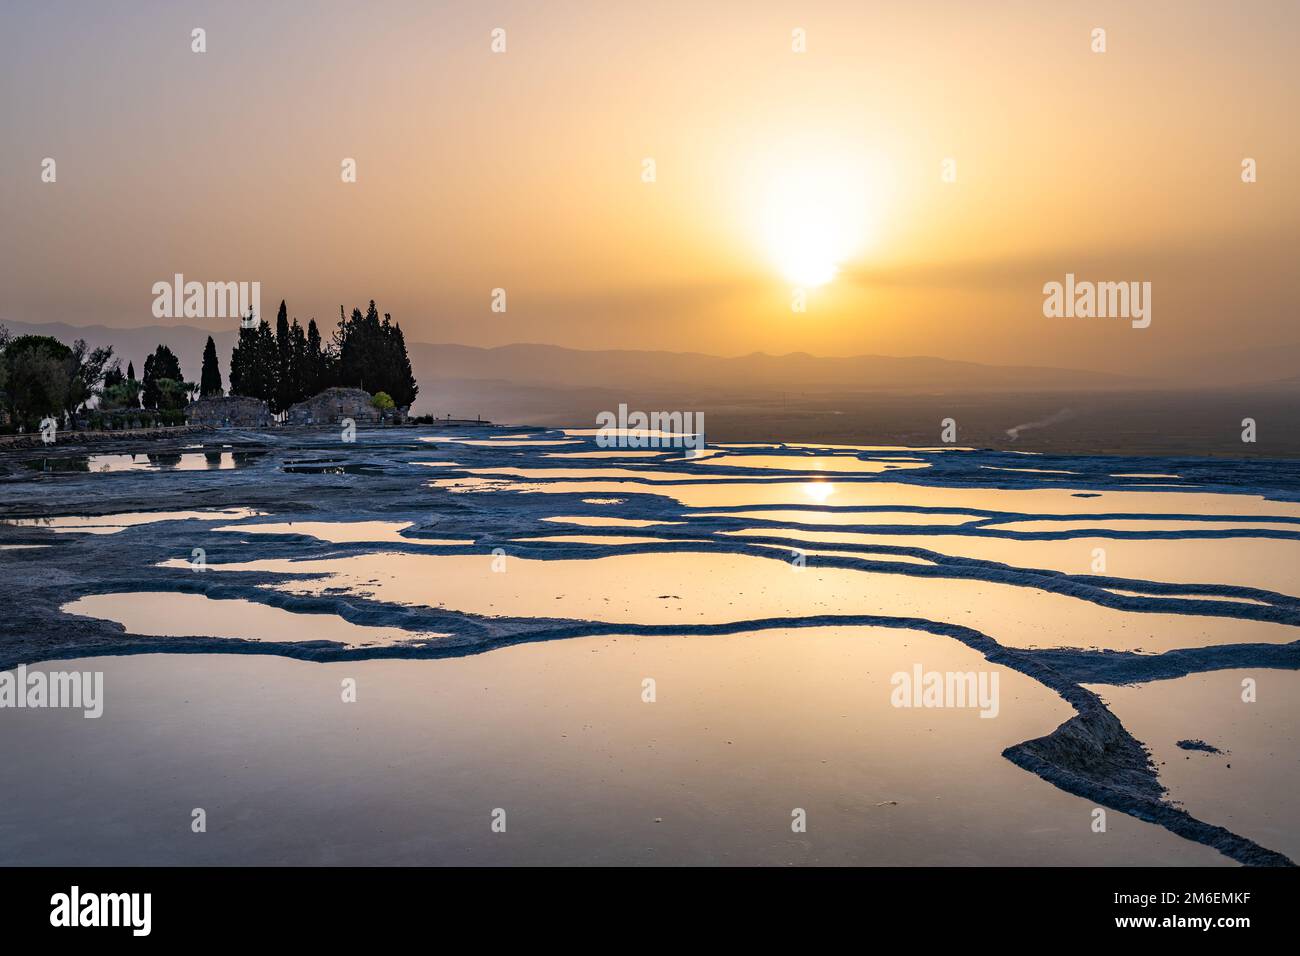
818,491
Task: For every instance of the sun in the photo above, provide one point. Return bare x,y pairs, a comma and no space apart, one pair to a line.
816,213
806,230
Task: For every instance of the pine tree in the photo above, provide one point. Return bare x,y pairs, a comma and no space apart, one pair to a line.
210,377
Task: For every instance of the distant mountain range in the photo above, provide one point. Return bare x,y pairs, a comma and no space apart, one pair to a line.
553,365
530,372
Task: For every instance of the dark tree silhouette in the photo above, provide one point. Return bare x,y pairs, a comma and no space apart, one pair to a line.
253,362
36,376
318,362
266,364
287,365
210,377
86,370
372,355
162,364
285,391
240,359
301,383
402,388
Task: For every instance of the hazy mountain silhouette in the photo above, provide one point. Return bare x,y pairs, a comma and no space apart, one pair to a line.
476,374
552,365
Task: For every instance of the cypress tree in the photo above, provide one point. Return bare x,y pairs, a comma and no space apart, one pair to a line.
317,374
241,359
210,377
299,365
283,390
265,365
399,377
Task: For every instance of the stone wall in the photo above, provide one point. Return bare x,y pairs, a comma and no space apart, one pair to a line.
333,405
230,411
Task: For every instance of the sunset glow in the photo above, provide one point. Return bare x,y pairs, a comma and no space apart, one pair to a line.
775,170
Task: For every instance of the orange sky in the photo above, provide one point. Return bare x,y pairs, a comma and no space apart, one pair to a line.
523,170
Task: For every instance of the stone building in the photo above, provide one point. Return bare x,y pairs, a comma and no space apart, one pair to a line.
333,405
229,411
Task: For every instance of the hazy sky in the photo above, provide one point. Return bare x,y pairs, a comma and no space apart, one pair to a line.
524,170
